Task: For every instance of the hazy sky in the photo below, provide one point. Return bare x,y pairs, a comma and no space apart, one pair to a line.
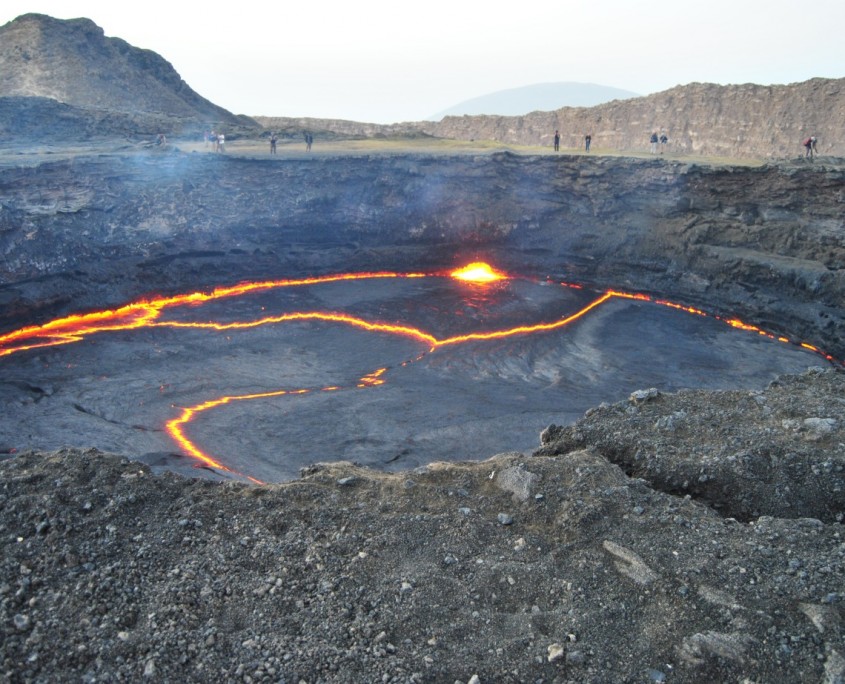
385,61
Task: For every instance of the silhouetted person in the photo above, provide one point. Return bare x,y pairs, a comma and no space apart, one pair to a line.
810,146
272,143
557,141
663,140
653,141
587,140
308,140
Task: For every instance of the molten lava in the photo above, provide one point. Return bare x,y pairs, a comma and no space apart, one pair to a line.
148,314
478,272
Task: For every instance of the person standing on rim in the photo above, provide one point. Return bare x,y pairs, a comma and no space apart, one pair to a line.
587,140
557,140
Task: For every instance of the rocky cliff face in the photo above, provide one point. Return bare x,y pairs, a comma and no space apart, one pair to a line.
702,119
739,121
49,65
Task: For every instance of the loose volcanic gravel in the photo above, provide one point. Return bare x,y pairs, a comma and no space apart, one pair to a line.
556,567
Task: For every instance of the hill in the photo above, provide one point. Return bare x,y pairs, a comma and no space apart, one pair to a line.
537,97
69,71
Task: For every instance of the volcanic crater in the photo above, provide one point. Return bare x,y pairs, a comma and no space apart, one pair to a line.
292,310
646,481
374,240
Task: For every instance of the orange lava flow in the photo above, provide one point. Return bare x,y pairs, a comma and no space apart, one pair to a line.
143,313
526,329
75,328
733,322
147,313
174,426
405,330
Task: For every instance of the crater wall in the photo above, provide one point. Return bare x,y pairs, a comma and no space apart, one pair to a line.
766,243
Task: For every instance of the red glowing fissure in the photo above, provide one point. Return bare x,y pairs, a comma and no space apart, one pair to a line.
147,313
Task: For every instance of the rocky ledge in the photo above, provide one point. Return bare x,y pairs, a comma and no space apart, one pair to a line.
669,538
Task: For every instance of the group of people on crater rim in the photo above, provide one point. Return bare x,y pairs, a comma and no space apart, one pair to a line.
654,141
662,140
587,140
657,143
216,140
309,139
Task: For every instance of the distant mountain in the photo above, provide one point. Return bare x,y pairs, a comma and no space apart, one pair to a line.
71,67
538,97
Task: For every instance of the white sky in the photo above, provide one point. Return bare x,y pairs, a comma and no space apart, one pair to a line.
384,61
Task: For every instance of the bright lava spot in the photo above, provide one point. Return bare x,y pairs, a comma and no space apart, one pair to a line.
478,272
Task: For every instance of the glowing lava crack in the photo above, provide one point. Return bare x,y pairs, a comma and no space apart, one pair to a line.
148,314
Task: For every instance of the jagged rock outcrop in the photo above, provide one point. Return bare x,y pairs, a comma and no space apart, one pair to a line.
68,70
766,464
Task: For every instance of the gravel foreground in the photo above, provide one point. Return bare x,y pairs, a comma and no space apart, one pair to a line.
692,537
